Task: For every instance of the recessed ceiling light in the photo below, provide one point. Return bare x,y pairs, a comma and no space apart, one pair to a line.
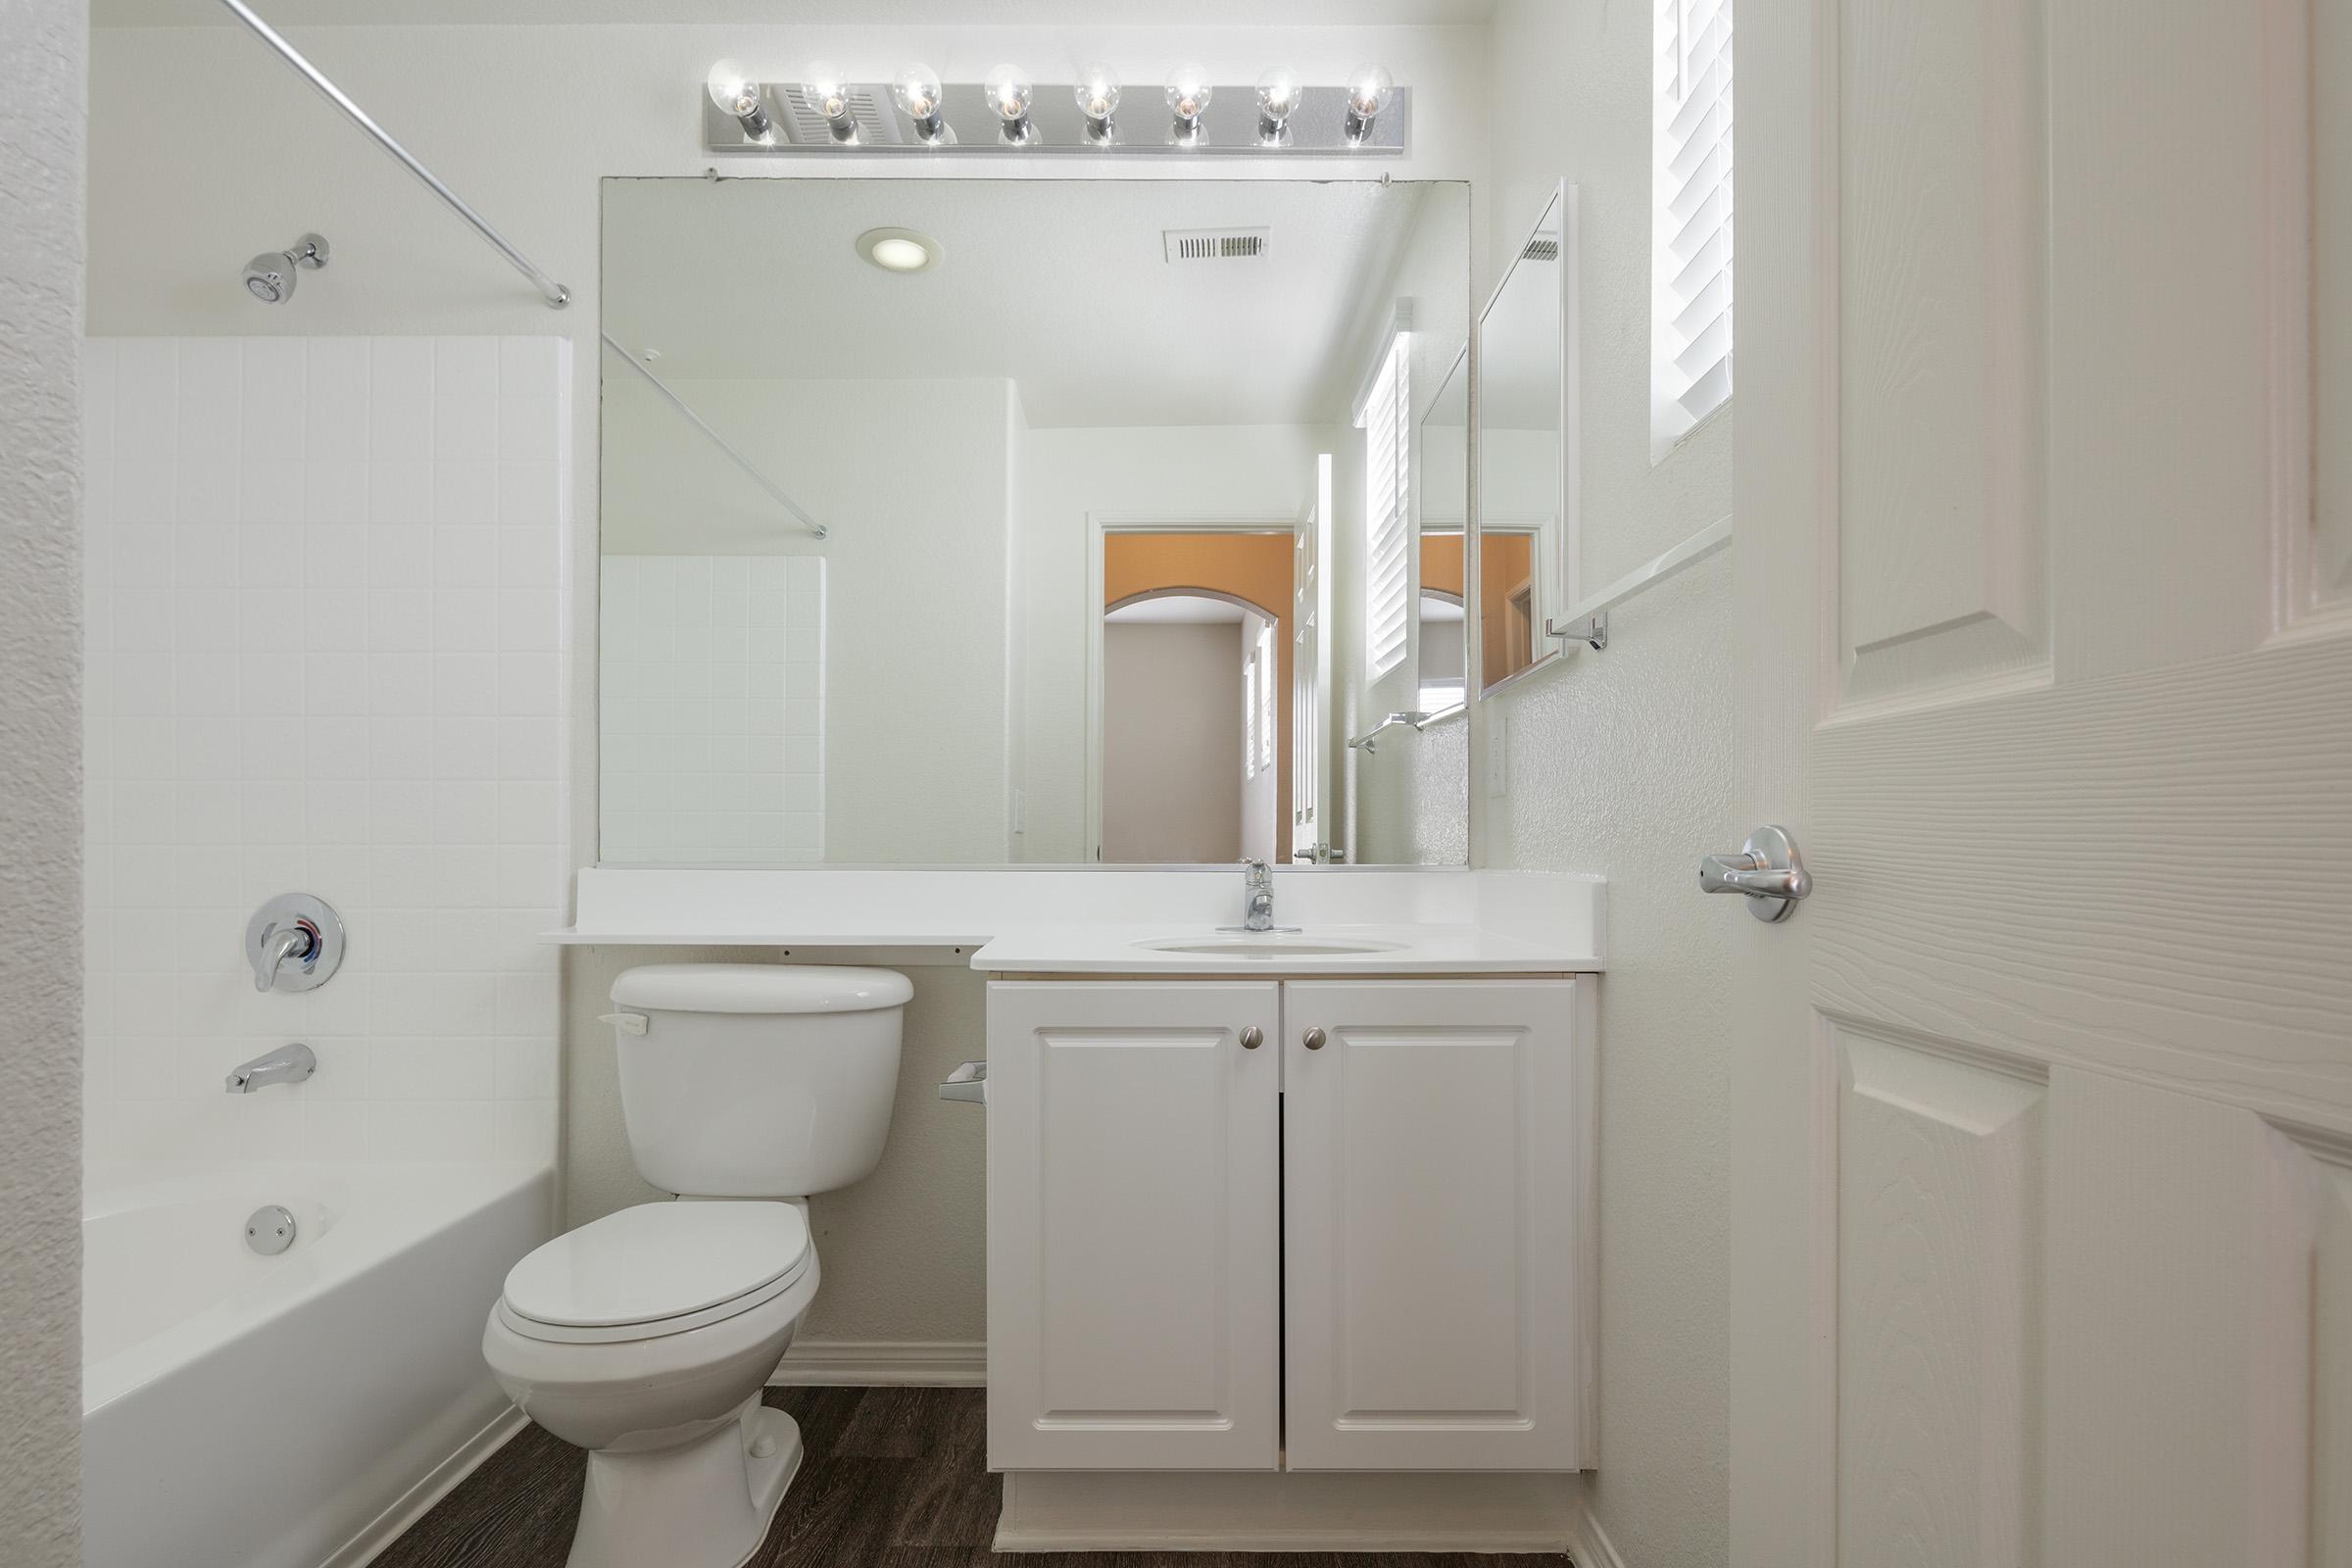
899,249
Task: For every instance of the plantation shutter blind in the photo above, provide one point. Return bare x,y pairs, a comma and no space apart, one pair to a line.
1692,244
1388,435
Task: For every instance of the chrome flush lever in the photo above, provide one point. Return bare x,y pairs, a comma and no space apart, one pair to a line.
1768,870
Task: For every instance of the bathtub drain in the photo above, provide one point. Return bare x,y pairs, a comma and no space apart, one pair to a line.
270,1230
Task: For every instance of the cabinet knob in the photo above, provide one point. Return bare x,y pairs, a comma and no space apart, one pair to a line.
1313,1040
1253,1037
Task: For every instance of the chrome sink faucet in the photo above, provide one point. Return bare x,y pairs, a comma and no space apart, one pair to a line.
287,1064
1258,911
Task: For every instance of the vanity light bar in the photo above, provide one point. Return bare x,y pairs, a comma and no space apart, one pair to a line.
1009,116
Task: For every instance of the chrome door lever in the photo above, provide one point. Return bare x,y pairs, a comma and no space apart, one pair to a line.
1768,870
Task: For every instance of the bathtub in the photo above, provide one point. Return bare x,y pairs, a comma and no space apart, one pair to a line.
294,1411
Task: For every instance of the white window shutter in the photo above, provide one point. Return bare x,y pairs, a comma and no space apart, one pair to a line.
1691,193
1388,525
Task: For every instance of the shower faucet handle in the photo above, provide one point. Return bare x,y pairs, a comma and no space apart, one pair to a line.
293,943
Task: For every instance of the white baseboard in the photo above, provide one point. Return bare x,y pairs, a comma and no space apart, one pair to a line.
884,1363
1589,1545
387,1527
1201,1510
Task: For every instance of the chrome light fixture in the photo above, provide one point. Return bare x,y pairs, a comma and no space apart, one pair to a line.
732,89
1279,92
827,91
1189,92
1098,95
918,93
1369,89
1009,95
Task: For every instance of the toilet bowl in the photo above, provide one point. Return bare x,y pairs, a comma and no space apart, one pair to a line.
646,1335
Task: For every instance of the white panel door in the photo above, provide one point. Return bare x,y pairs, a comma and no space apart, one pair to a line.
2042,1129
1434,1148
1133,1205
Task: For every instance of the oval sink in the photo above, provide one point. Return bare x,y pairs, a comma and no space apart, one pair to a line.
1272,944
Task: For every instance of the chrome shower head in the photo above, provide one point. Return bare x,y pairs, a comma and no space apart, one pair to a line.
269,276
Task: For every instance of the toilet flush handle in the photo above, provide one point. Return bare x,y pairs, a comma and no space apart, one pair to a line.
629,1023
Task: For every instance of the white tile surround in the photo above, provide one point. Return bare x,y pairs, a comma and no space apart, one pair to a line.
712,727
326,641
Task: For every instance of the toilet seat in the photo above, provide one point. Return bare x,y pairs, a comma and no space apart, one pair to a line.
656,1269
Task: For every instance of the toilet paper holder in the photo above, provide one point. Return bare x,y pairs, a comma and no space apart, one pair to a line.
968,1082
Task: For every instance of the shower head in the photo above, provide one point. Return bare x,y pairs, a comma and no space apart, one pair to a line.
269,276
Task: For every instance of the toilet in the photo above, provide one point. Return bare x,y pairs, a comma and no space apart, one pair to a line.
645,1337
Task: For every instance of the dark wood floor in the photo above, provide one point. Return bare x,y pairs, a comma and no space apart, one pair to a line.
895,1477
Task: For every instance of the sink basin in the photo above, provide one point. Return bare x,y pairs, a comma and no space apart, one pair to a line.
1270,945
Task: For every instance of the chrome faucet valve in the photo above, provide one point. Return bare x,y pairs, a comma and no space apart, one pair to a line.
294,943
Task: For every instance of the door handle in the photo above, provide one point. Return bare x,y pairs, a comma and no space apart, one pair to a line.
1253,1037
1313,1040
1768,870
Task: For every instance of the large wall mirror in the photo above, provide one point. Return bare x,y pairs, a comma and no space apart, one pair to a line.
1137,499
1522,433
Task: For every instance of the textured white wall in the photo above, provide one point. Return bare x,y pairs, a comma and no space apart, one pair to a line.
41,98
325,646
713,710
1621,762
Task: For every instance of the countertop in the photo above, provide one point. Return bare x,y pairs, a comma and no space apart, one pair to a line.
1068,949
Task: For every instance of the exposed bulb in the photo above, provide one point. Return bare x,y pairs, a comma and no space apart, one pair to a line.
1098,94
735,90
1278,94
827,91
917,91
1189,93
1369,89
1009,94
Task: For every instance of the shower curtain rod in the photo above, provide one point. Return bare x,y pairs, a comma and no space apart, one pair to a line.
815,528
558,296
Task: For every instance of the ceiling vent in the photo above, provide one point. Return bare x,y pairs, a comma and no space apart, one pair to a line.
1214,244
1542,248
875,116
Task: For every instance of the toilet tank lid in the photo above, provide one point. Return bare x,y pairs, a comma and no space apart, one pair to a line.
760,988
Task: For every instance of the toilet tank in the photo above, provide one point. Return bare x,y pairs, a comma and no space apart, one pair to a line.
756,1080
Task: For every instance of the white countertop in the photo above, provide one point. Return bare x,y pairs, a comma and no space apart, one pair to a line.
1088,919
1394,950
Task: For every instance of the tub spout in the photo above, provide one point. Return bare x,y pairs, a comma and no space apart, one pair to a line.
288,1064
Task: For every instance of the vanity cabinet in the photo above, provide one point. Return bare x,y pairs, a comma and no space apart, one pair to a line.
1361,1244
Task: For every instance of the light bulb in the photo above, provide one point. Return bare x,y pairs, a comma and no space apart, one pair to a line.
1009,94
732,89
1278,93
917,90
1369,89
827,91
1189,93
1098,95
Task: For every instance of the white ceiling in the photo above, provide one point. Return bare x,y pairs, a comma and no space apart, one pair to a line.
875,13
1060,287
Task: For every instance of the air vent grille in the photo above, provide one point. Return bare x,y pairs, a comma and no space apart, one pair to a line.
1214,244
877,119
1542,248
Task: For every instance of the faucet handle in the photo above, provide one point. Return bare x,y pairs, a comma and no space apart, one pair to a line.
294,943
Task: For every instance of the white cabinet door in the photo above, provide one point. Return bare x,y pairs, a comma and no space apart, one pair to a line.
1133,1204
1435,1150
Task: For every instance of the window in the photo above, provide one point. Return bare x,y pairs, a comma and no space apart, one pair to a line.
1388,423
1690,235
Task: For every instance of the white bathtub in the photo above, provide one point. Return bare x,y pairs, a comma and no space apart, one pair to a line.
242,1411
